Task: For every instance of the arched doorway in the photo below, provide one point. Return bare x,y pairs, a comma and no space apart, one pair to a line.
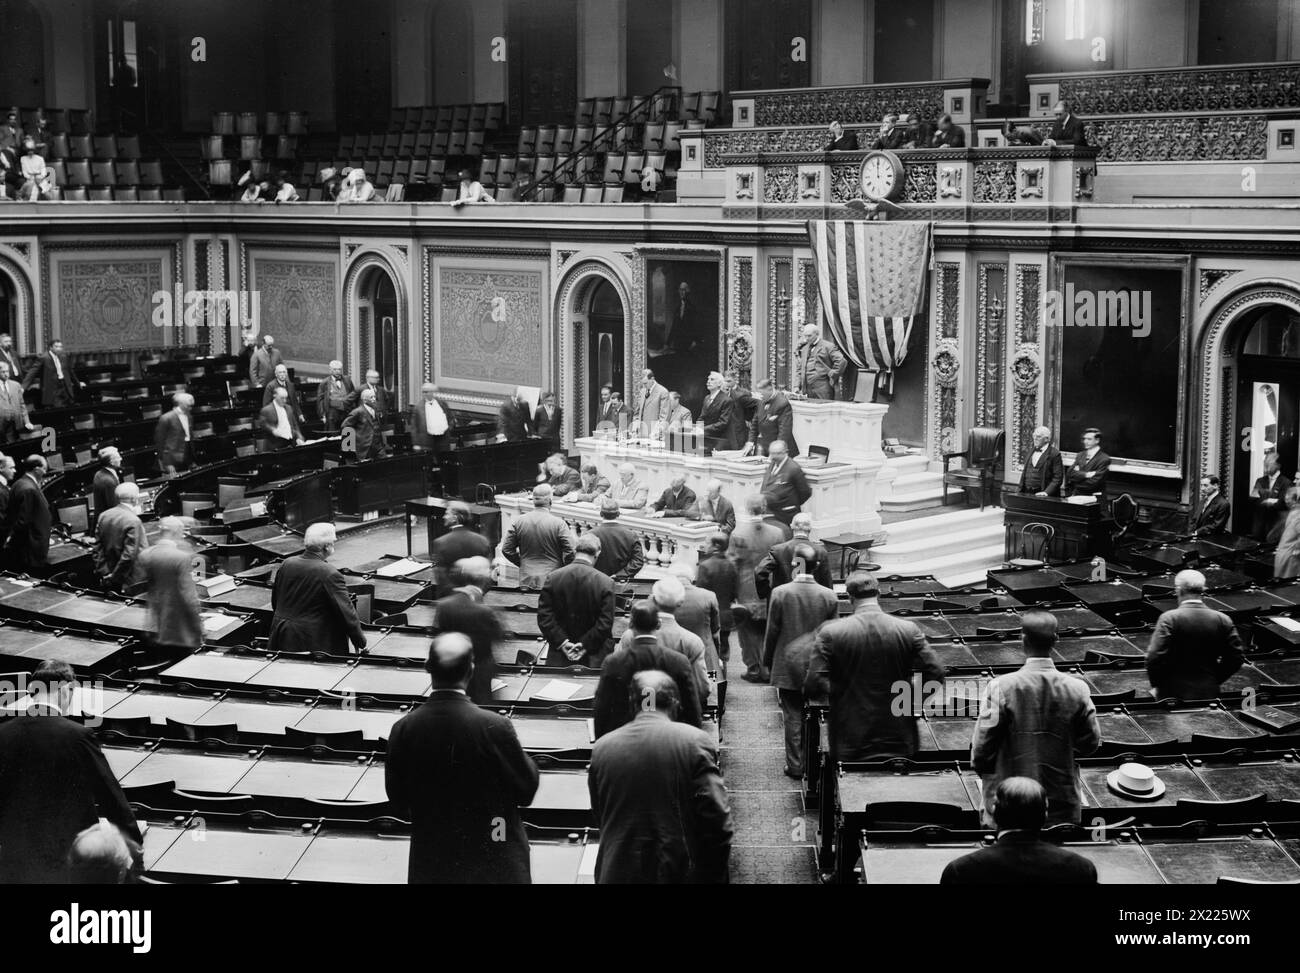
605,352
9,323
377,327
1266,341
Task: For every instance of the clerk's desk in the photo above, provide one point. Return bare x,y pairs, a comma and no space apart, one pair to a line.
1082,530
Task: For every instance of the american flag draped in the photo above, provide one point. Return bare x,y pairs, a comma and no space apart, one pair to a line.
871,276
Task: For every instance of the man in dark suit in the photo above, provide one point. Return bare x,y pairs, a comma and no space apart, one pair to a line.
744,406
175,624
107,477
1269,494
644,651
716,574
279,421
785,488
336,396
1021,856
773,420
651,412
459,542
383,398
538,543
458,772
657,796
716,508
1067,129
58,383
1091,465
27,520
548,420
562,478
434,421
9,356
313,612
1214,512
462,610
575,610
751,541
14,420
716,414
120,540
363,423
8,474
513,421
842,141
818,365
281,380
677,500
1193,648
611,414
1042,474
262,362
857,663
947,135
621,554
778,567
54,783
172,435
891,136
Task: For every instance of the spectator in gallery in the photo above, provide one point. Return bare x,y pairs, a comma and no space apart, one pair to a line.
255,190
37,179
471,191
284,190
331,184
11,133
1067,129
514,423
891,136
841,141
356,187
948,135
547,421
1020,136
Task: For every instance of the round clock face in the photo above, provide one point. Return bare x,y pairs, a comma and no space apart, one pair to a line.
880,176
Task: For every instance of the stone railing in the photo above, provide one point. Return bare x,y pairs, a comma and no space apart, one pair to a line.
1228,87
962,98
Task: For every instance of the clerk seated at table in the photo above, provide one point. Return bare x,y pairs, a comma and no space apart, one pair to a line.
1021,856
678,500
1088,474
1042,474
562,477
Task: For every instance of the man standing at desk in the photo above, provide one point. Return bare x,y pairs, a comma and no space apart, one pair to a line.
336,397
1269,493
172,437
458,771
1193,648
383,400
107,477
462,610
514,425
651,407
120,540
279,420
363,426
175,624
13,410
58,383
1214,512
434,421
261,364
785,488
1042,473
1088,474
539,542
575,610
818,365
716,414
27,520
773,420
313,612
459,542
282,381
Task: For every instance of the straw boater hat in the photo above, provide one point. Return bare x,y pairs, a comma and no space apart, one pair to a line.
1136,781
327,174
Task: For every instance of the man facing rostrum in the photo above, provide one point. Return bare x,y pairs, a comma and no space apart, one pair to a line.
336,397
313,612
1042,474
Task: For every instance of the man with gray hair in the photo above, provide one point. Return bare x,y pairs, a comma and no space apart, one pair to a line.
362,426
107,477
119,541
716,414
629,491
261,365
1043,473
514,422
621,554
462,610
383,404
575,610
818,364
460,541
313,611
434,421
279,420
667,596
13,410
335,397
1193,648
172,436
699,614
717,509
175,625
282,381
778,567
539,542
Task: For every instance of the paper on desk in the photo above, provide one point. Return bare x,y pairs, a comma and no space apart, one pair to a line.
258,509
498,685
400,569
558,689
22,582
841,588
1290,624
214,621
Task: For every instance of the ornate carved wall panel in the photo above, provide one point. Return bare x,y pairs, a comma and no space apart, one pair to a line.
740,334
990,319
101,301
1026,363
821,106
491,322
1191,90
945,361
299,304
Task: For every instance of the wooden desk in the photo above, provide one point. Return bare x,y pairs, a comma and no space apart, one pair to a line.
1082,530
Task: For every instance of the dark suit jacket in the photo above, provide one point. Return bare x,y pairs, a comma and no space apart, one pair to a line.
612,708
1046,476
383,401
51,388
777,568
848,142
455,545
577,605
261,364
313,612
456,769
817,368
27,526
269,419
786,491
119,542
856,663
716,573
954,138
744,406
421,435
566,482
15,370
323,396
369,442
774,420
548,429
54,783
1078,484
892,140
1213,516
796,612
173,597
716,416
1268,521
1068,132
4,518
513,422
295,404
1020,858
538,543
169,440
621,553
461,611
720,512
659,801
104,489
1192,650
683,504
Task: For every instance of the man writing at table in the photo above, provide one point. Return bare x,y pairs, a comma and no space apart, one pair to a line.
676,501
1042,473
717,509
1088,474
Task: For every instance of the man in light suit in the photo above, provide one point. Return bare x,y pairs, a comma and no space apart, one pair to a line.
1088,474
172,435
797,609
679,417
1214,512
778,567
621,554
575,611
538,543
261,365
651,412
748,544
657,795
313,611
628,490
336,396
859,664
10,357
58,383
434,421
279,420
716,508
282,381
716,414
773,420
26,526
368,443
1042,474
698,614
175,625
13,410
107,477
818,365
785,488
120,540
1193,648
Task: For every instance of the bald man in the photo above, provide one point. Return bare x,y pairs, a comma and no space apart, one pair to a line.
458,773
1043,472
818,365
120,540
434,421
1193,648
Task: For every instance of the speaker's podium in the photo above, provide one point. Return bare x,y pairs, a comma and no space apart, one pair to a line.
1083,530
